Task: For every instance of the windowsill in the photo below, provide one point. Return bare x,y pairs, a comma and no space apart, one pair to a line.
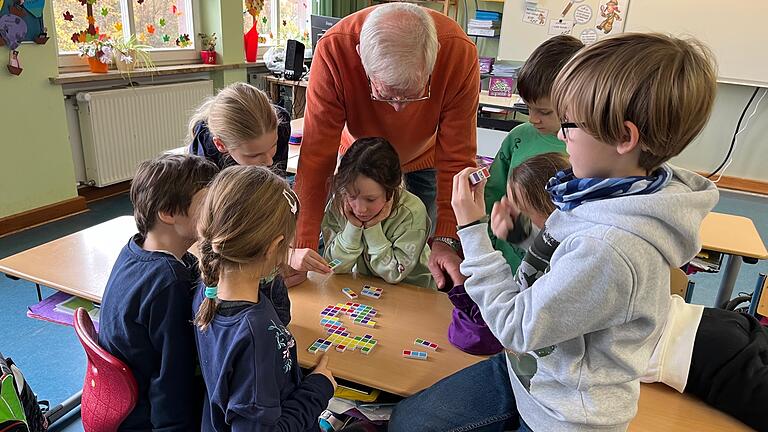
80,77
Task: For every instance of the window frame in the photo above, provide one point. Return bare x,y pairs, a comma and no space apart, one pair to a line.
70,61
275,21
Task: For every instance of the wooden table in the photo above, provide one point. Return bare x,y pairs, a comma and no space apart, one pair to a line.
80,264
298,89
735,236
405,313
77,264
499,102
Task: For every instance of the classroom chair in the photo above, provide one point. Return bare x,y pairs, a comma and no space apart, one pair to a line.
110,391
759,303
679,284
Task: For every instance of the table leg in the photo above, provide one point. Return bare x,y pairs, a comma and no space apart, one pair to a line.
63,408
39,293
730,273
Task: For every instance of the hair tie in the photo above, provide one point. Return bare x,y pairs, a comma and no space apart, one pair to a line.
211,292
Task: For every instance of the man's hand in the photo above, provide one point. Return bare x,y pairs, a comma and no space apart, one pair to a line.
445,260
305,260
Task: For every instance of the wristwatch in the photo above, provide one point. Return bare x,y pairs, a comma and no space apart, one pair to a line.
452,242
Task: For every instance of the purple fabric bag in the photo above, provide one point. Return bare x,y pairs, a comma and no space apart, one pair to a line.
468,331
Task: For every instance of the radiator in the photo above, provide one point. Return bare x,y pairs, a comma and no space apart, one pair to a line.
121,128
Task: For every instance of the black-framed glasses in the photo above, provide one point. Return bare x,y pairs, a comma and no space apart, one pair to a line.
427,90
567,125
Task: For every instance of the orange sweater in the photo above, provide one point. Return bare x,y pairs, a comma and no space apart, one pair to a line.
437,133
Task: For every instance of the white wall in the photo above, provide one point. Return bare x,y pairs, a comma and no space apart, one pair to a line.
750,158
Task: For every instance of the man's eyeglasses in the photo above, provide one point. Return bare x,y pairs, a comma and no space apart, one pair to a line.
568,125
427,90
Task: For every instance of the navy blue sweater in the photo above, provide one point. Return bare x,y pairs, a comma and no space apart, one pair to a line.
202,144
146,322
251,371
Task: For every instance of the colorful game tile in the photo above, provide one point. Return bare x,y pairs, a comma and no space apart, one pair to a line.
416,355
349,293
335,263
478,176
372,292
426,344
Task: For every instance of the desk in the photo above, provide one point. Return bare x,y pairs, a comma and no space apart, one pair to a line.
735,236
405,313
499,102
298,89
80,263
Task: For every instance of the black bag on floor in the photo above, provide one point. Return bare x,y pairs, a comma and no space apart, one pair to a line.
19,408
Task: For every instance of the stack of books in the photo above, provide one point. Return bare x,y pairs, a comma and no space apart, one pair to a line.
485,24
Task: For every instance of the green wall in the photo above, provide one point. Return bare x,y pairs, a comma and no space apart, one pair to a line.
225,18
36,164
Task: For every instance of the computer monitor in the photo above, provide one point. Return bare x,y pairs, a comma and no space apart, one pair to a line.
319,25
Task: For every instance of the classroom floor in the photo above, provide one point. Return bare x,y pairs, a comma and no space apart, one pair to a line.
53,360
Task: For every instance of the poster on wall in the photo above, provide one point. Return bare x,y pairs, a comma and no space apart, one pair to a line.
610,17
21,21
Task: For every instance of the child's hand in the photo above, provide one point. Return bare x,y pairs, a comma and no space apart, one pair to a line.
467,201
502,221
308,260
350,215
322,369
383,215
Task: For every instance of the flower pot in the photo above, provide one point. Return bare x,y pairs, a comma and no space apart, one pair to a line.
96,66
125,66
209,57
251,42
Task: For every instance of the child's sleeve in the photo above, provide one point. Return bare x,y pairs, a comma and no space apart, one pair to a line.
393,258
171,391
255,394
343,241
588,289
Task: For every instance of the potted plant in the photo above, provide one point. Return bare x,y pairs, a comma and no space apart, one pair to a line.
98,50
129,53
208,53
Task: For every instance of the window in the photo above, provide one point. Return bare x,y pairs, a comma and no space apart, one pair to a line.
279,20
165,25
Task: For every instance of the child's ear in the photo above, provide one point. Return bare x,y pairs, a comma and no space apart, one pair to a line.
220,145
273,248
631,140
166,218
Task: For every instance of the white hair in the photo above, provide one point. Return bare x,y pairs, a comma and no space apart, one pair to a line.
398,45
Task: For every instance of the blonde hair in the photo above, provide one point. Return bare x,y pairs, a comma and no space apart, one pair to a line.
246,209
664,85
238,113
398,45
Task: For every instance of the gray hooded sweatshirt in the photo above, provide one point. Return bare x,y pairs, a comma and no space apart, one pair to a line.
579,339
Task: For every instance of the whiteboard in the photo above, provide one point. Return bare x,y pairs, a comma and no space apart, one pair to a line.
737,32
522,32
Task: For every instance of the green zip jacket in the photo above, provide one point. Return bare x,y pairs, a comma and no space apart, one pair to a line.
395,250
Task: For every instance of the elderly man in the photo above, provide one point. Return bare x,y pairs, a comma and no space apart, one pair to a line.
407,74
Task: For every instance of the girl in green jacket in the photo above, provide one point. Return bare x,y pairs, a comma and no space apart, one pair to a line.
372,224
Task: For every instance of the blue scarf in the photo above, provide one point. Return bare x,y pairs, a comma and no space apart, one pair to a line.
569,192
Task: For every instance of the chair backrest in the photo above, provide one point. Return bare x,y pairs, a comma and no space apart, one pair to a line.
759,302
110,391
678,282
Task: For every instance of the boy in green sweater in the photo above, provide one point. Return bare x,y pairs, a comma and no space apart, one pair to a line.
537,136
